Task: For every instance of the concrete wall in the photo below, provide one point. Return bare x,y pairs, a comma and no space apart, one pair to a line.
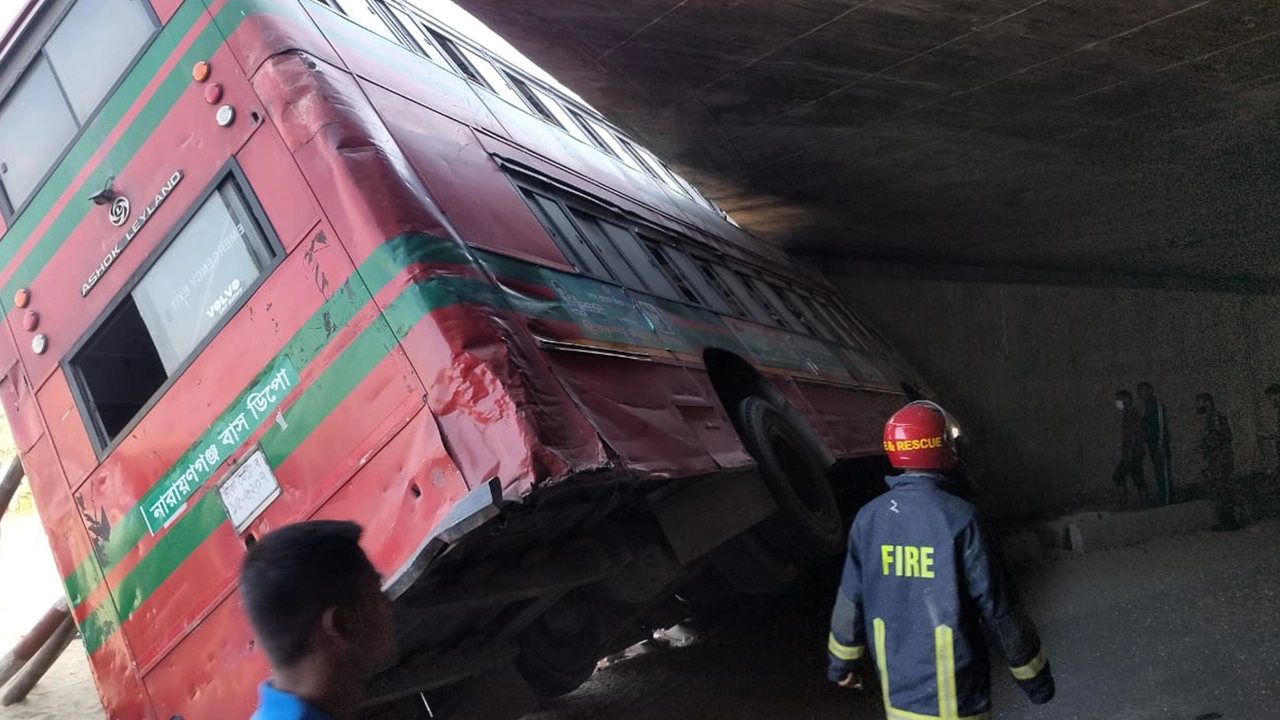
1031,370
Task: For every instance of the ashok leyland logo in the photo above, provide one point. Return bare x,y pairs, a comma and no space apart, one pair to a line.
119,211
119,214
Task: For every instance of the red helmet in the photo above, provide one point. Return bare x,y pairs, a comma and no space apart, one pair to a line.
921,436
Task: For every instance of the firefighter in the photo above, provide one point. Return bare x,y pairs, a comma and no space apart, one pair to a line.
920,583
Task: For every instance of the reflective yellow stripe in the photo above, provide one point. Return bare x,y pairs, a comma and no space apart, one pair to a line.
944,650
844,652
1033,668
878,627
948,702
896,714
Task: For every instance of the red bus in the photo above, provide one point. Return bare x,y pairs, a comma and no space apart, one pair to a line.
267,260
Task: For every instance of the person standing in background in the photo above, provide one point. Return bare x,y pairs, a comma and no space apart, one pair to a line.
1155,430
1132,453
1215,442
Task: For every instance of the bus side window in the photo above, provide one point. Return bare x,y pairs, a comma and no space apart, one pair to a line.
792,308
687,293
775,300
868,331
494,79
561,229
531,98
748,297
813,317
645,266
715,281
590,132
459,60
618,266
855,338
418,33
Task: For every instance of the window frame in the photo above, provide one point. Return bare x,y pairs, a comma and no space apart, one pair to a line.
85,404
525,90
653,279
673,257
460,63
582,120
8,209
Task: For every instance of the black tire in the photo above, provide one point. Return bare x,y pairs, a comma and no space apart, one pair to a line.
807,529
554,662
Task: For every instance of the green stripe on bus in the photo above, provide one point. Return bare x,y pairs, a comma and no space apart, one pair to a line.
339,310
128,145
199,523
317,403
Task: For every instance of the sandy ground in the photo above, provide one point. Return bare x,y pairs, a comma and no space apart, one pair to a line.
28,586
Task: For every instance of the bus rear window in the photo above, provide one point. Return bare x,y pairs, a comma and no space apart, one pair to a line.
195,283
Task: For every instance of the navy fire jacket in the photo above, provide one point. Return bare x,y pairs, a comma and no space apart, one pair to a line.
921,581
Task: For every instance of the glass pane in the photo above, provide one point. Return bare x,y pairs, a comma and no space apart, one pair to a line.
531,99
197,280
651,165
363,15
687,293
35,127
743,295
93,46
618,266
645,266
615,146
562,115
590,132
713,279
811,316
420,39
852,337
758,298
792,318
561,228
694,276
495,80
459,60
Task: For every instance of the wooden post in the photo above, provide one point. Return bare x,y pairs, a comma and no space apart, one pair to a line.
36,638
41,663
9,483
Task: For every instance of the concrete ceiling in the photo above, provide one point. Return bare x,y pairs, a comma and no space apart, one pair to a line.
1080,135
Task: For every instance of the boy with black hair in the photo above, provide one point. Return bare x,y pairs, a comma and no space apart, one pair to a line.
316,604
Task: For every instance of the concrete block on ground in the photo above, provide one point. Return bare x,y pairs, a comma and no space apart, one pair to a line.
1100,531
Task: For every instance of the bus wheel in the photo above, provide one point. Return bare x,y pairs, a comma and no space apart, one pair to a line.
558,652
807,528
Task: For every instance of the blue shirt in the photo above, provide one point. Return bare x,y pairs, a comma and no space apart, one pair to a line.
276,704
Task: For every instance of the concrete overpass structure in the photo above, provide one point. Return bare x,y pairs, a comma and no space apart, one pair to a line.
1138,137
1039,200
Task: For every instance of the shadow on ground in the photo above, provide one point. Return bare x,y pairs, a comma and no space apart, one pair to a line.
1178,629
